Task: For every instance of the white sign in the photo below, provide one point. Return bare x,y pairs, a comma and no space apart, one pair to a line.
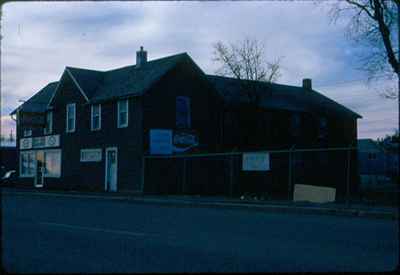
52,141
91,155
25,143
39,142
255,162
160,142
319,194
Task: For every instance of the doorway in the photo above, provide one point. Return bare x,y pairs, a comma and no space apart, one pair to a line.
111,169
39,169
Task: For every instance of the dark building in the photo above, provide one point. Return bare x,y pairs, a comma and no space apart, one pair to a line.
92,129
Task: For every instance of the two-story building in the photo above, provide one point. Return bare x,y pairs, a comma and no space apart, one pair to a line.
91,129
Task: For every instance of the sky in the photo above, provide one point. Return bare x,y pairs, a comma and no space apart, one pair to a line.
39,39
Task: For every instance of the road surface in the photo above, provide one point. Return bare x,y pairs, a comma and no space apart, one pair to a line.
67,234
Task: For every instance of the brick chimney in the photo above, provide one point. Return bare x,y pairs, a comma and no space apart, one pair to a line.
307,83
141,57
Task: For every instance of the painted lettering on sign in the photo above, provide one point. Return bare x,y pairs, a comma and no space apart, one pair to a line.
39,142
88,155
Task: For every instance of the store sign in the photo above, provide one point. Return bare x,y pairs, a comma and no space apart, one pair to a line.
184,140
39,142
52,141
88,155
160,142
25,143
255,162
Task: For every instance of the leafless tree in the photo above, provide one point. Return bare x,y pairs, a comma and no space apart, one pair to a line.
245,60
374,23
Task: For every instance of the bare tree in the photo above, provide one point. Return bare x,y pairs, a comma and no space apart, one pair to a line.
245,60
374,23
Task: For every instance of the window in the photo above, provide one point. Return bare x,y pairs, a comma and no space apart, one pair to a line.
27,164
96,117
182,112
123,112
52,160
90,155
49,123
71,113
323,128
27,132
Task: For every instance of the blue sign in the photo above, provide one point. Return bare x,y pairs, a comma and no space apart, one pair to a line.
160,142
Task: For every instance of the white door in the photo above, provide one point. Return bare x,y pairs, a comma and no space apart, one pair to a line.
39,169
111,169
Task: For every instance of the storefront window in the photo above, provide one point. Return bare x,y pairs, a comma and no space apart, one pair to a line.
52,163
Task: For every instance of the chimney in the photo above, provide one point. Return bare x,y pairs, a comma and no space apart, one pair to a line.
307,83
141,57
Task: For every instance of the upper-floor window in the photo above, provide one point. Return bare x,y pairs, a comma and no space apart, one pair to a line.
95,117
49,123
183,112
323,128
123,112
27,132
71,116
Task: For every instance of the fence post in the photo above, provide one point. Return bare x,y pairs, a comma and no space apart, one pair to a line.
348,177
231,176
184,176
290,171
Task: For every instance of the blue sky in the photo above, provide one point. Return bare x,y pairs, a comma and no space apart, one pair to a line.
40,38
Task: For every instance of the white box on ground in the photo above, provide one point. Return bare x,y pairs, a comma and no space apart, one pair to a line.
255,162
311,193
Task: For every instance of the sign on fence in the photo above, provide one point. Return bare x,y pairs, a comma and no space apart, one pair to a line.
255,162
160,142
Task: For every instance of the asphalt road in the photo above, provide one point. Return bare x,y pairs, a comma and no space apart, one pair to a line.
63,235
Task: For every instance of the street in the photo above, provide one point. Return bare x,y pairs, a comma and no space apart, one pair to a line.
66,234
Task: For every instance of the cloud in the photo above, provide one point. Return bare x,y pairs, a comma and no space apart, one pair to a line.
41,38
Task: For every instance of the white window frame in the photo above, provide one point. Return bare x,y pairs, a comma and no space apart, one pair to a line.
126,101
46,175
49,125
27,132
66,117
91,117
33,155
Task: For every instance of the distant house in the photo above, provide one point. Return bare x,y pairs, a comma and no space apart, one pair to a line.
371,160
391,158
92,129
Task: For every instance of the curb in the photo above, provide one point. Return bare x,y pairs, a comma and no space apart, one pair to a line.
249,206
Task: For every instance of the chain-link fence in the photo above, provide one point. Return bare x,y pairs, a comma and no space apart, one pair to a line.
223,174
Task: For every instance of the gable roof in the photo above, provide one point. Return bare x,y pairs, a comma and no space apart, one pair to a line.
38,102
104,85
97,86
277,96
131,80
